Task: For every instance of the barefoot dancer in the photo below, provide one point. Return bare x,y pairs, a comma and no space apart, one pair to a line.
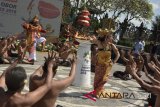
33,30
104,63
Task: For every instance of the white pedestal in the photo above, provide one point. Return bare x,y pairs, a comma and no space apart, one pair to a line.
83,73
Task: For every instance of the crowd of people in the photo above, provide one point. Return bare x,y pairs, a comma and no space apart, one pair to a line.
12,48
136,62
8,48
18,45
28,41
151,67
43,89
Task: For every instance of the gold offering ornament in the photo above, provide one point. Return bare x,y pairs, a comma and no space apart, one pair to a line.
105,32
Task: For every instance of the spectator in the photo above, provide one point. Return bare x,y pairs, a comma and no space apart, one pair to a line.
38,78
138,47
155,85
15,78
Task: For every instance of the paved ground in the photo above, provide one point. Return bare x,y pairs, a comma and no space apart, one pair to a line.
73,96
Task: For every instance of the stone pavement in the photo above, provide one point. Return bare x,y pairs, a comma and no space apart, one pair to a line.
73,96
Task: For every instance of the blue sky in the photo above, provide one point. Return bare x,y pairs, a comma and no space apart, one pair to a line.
156,9
156,6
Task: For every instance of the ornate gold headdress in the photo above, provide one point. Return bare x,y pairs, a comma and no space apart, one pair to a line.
108,27
104,32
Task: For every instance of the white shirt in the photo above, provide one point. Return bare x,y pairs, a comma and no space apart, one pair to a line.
143,42
139,46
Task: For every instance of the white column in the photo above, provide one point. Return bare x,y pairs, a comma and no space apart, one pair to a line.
83,73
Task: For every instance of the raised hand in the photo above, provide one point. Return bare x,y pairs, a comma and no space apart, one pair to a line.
154,81
156,69
51,61
74,59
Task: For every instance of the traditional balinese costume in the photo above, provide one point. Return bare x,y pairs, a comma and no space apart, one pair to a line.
33,36
103,68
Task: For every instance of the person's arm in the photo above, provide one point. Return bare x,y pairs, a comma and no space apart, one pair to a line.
152,88
154,81
62,84
93,39
33,77
116,53
131,60
123,56
157,62
24,50
25,25
20,52
36,28
153,67
4,48
34,96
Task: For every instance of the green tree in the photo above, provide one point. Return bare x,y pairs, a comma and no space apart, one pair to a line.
132,9
155,36
66,11
139,9
136,9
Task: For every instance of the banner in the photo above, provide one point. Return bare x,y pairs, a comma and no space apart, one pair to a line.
13,13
